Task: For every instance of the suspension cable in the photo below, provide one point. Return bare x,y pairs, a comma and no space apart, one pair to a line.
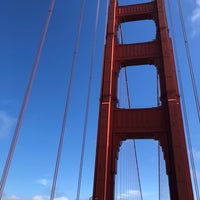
59,152
25,102
88,102
127,88
159,173
159,159
125,71
189,143
189,59
129,105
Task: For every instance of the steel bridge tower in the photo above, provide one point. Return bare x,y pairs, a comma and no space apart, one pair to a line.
163,123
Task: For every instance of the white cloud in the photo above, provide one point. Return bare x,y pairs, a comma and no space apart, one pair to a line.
61,198
198,2
38,197
130,194
196,154
43,182
196,14
6,124
195,19
12,197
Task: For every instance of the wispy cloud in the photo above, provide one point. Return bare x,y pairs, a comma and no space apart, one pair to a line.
38,197
196,154
130,194
195,19
12,197
61,198
43,182
6,124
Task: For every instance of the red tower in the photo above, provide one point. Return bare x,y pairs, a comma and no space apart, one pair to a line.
163,123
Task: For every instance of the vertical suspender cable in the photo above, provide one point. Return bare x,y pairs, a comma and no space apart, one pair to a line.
138,174
88,102
184,110
159,158
189,59
158,89
125,72
127,88
25,102
129,105
67,103
120,178
159,179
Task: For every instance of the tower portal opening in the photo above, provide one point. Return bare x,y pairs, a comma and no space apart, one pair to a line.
138,85
132,180
137,32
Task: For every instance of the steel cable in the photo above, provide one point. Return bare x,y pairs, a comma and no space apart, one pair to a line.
129,106
88,102
59,152
189,59
25,102
189,143
159,148
159,172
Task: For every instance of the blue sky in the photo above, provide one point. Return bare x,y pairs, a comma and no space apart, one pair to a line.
22,22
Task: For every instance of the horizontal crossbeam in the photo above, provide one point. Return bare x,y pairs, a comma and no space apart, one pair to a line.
145,123
138,54
136,12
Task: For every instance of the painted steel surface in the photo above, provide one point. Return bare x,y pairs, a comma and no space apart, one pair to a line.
163,123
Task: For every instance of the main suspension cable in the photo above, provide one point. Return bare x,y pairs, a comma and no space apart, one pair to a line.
184,108
67,103
88,102
189,59
25,102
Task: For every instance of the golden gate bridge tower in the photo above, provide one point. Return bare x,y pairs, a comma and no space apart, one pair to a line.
162,123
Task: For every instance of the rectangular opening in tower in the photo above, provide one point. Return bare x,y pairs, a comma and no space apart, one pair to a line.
137,32
138,87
